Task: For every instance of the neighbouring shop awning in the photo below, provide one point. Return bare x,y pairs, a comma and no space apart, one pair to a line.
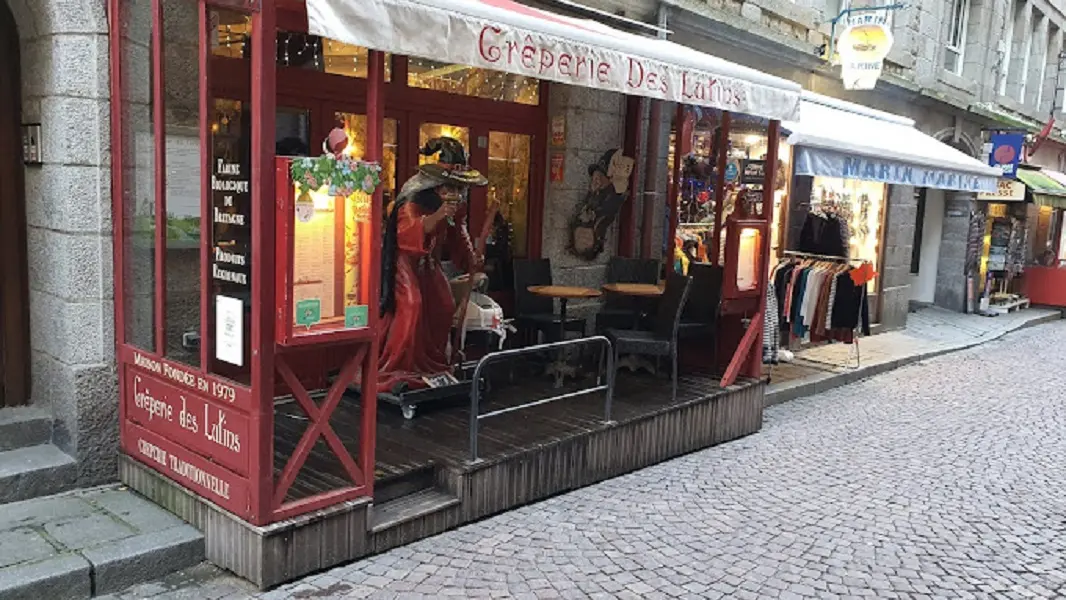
1045,189
834,138
504,35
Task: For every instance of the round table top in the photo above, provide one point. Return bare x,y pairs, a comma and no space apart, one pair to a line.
643,290
564,291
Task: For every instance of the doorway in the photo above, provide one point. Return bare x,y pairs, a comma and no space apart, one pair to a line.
931,222
14,317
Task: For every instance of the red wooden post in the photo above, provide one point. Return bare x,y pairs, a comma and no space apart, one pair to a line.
773,134
263,238
159,125
206,227
375,123
118,207
719,186
675,186
651,179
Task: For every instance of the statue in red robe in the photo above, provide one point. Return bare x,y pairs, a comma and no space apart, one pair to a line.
417,308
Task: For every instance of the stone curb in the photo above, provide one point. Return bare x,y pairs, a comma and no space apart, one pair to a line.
823,382
144,557
68,576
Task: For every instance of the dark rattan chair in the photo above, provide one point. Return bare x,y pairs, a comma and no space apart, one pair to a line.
618,311
700,317
535,314
662,341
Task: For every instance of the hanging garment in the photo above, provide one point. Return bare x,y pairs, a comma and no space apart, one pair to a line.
771,331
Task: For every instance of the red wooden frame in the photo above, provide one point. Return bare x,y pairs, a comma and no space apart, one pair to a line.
244,482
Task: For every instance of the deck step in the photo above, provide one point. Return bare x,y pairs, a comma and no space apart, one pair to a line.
24,426
35,471
408,508
415,480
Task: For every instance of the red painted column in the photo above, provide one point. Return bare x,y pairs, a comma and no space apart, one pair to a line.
375,123
675,185
719,186
264,96
754,368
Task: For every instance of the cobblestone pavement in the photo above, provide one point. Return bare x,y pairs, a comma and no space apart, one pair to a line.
943,479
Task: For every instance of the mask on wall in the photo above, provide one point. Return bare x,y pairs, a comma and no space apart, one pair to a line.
608,184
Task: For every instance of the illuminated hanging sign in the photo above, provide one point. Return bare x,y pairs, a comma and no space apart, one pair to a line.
864,41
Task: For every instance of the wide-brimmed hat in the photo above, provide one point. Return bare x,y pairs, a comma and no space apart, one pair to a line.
452,165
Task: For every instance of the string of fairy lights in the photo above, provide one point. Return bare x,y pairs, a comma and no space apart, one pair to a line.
337,58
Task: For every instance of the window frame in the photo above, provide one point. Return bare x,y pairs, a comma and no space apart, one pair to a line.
958,22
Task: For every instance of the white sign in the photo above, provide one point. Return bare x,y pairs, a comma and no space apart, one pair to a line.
229,330
527,41
862,46
1008,190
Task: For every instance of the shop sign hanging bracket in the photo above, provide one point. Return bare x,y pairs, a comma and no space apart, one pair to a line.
852,16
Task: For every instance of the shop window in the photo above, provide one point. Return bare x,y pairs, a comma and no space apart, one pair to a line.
508,174
181,99
299,50
472,81
355,126
429,131
859,206
138,159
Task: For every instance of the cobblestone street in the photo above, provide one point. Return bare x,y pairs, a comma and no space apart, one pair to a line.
943,479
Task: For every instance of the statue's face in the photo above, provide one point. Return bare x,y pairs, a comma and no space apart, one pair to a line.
598,181
450,193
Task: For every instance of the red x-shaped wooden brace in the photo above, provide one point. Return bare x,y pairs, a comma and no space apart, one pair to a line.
319,424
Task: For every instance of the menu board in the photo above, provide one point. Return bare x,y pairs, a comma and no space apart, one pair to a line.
314,261
231,203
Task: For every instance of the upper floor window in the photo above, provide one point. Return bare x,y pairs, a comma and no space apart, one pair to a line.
955,43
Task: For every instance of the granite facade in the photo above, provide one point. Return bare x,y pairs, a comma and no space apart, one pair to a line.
65,87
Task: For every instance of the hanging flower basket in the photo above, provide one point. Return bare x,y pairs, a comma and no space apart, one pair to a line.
343,176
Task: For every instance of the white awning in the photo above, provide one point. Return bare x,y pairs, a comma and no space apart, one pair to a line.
834,138
507,36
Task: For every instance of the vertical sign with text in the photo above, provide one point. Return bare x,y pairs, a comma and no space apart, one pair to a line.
231,241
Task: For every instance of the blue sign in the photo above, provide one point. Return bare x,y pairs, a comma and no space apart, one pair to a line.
828,163
1006,152
732,171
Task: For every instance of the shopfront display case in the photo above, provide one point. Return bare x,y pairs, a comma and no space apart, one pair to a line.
248,280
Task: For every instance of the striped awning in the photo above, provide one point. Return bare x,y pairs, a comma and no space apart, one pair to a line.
1046,190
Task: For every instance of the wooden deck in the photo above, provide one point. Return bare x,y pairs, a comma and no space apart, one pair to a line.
425,483
438,437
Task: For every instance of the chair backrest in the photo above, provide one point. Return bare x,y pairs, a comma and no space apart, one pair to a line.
629,270
529,272
671,305
705,299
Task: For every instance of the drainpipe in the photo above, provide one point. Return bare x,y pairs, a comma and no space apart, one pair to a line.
652,159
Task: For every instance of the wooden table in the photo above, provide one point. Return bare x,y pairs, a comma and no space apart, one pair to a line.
640,290
564,293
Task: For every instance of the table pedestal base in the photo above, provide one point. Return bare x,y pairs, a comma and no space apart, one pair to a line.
635,363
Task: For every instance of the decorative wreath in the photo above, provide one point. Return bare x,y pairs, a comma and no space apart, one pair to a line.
343,176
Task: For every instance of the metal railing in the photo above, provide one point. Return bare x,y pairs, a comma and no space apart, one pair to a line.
475,388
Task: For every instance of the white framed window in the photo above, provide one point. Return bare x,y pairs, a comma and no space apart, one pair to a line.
955,42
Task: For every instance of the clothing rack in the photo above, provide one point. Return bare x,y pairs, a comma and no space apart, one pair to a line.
858,326
796,254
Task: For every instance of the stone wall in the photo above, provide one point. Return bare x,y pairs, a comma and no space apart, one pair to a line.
951,270
68,199
595,123
900,219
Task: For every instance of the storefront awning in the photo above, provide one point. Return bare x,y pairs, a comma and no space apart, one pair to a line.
834,138
1045,189
504,35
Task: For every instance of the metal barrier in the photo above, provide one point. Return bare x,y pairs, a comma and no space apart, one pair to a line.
475,388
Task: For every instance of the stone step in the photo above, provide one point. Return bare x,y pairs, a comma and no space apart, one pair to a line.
90,542
24,426
35,471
